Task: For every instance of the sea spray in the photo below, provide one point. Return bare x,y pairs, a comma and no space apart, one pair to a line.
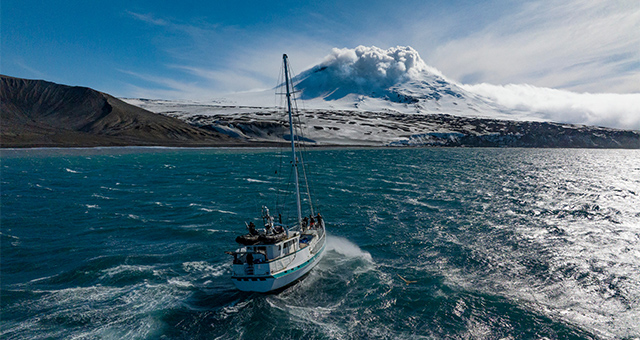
346,248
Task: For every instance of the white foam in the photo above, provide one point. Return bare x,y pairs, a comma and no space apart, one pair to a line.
256,180
233,308
316,315
225,212
205,267
179,283
124,268
414,201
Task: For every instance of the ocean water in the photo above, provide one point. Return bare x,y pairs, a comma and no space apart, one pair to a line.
423,243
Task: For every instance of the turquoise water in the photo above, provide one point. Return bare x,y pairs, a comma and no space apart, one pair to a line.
516,243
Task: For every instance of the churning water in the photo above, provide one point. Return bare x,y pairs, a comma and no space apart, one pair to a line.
433,243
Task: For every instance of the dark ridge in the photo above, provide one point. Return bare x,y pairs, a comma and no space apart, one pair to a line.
38,113
505,133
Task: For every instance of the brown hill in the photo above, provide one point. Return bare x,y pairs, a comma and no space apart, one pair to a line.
37,113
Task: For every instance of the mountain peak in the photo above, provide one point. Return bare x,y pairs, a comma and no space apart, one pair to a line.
363,70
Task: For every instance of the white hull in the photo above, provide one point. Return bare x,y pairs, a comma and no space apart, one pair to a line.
266,283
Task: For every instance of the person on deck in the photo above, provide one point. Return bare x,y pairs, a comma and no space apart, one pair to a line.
252,229
278,229
250,259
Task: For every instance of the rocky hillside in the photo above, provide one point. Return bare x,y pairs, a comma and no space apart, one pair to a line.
37,113
387,128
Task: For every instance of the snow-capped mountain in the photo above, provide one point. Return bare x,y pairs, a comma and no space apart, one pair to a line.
371,79
373,96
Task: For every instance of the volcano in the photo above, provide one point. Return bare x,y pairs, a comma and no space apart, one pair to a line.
371,96
376,80
397,75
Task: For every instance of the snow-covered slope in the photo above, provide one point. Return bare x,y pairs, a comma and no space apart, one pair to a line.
369,96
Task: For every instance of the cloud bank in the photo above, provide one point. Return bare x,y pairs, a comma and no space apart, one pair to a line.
600,109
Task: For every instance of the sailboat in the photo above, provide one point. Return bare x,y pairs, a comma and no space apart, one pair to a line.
278,255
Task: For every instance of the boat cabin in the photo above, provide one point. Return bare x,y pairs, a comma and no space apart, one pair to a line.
260,252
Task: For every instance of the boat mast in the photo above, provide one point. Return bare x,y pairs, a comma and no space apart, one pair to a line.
293,146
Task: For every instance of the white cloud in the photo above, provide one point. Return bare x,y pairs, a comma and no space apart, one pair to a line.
601,109
165,88
148,18
232,80
32,71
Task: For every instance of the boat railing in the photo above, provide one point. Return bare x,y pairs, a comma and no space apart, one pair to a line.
264,268
318,245
254,269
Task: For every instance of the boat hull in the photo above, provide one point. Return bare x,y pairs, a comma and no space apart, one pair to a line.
269,283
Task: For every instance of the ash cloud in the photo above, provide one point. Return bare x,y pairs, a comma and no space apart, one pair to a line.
362,70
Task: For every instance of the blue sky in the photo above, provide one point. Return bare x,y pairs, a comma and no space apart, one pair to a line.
202,49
